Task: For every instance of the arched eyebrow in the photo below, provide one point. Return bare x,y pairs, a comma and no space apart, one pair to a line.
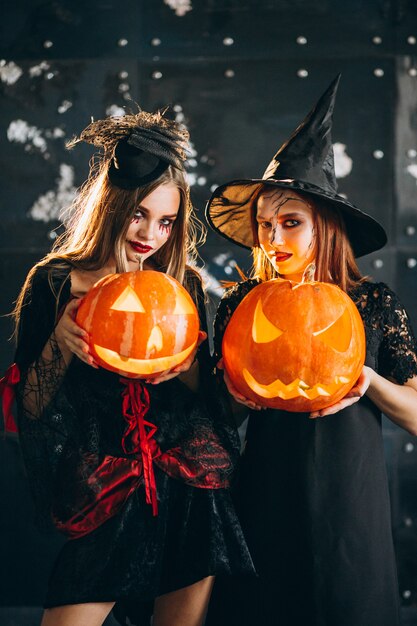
278,201
140,207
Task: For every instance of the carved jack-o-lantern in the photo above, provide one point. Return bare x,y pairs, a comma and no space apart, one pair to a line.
139,323
297,347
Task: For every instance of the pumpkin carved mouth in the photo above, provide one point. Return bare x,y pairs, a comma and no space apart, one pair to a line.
142,367
296,388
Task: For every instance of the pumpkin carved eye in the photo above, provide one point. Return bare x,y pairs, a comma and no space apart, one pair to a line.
182,305
263,331
338,334
128,301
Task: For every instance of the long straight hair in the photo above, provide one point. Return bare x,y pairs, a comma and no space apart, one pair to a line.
335,260
99,219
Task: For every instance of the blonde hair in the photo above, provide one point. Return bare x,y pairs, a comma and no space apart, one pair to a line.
99,219
335,260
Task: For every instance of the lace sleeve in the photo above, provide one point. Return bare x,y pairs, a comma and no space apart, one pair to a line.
38,355
229,302
45,416
398,350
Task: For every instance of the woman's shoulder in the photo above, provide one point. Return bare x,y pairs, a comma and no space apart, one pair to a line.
53,268
370,293
49,277
240,290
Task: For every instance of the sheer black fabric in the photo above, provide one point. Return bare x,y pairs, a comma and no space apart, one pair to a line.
313,500
70,417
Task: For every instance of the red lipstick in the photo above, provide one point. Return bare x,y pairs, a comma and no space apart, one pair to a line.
140,248
282,256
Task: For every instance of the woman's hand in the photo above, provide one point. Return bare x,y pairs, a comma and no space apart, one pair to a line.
71,337
354,395
179,369
234,392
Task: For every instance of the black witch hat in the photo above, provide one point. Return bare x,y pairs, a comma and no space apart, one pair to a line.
304,163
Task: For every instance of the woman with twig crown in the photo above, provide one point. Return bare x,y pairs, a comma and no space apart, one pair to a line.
313,493
149,517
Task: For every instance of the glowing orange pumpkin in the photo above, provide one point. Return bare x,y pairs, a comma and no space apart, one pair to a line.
297,347
140,323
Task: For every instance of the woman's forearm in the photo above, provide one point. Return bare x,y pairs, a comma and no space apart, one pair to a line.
44,376
398,402
191,378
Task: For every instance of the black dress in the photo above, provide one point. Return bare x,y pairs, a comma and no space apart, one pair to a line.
313,497
71,419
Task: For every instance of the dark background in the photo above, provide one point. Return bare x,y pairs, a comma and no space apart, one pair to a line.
241,74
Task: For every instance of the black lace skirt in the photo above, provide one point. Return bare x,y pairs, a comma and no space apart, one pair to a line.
135,557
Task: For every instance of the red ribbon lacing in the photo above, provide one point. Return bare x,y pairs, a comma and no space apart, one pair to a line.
139,433
7,383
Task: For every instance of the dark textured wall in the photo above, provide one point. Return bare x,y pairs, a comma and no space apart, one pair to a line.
241,75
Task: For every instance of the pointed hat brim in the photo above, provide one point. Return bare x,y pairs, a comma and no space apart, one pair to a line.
231,209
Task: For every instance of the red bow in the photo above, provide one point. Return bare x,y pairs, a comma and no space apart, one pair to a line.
140,432
7,383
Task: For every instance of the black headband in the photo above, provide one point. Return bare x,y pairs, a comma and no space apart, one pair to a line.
144,155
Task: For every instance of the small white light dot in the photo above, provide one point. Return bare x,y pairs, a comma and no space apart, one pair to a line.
412,71
228,41
377,40
126,96
180,117
156,41
3,62
228,270
124,87
213,188
406,594
122,42
378,154
201,180
204,158
192,163
48,44
408,522
412,153
378,72
156,75
229,73
177,108
49,75
410,231
64,106
123,75
411,40
409,447
378,263
302,73
52,234
301,40
411,263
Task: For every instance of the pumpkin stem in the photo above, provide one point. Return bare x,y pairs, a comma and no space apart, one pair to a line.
309,273
139,259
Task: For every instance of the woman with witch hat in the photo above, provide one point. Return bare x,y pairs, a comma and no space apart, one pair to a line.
312,492
81,427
